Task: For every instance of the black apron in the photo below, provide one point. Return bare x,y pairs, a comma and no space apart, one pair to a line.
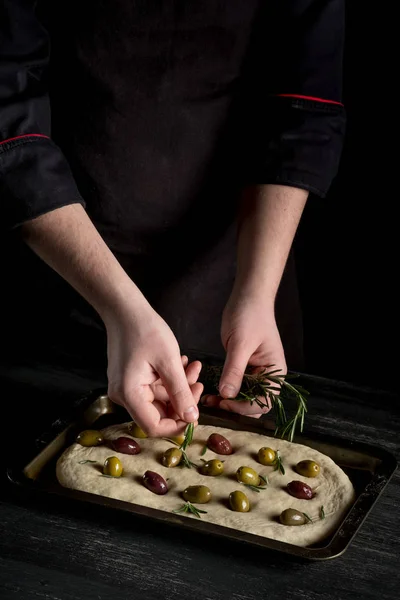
147,105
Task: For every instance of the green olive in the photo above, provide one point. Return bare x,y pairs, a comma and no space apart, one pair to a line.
248,476
178,439
90,437
239,502
291,516
136,431
266,456
199,494
171,457
307,468
112,467
212,467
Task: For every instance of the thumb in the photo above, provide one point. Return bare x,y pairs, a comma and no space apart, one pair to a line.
179,392
232,374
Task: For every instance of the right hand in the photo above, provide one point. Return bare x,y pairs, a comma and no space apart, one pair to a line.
146,373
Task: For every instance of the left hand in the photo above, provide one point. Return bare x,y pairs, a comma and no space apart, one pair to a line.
251,338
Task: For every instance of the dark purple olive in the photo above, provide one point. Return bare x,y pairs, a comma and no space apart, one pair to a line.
219,444
300,490
155,483
125,445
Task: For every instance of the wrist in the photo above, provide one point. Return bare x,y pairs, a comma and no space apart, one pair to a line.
252,291
124,301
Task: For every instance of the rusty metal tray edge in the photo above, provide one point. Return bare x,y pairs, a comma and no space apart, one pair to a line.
52,442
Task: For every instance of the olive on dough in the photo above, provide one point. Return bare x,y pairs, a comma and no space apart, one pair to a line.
112,467
178,439
307,468
155,483
292,517
266,456
300,490
197,494
219,444
136,431
239,502
248,476
172,457
125,445
90,437
212,468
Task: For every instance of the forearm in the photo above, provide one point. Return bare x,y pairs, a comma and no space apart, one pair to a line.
268,219
67,241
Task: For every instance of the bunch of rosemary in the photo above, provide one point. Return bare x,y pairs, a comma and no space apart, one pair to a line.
270,385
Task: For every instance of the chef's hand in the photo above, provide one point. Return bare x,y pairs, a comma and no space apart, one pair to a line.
146,373
250,337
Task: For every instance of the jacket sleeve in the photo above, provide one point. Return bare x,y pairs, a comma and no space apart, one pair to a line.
34,175
297,120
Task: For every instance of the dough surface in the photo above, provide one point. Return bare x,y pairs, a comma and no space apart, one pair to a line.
333,489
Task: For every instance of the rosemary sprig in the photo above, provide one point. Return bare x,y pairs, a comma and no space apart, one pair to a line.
278,466
186,462
271,385
188,507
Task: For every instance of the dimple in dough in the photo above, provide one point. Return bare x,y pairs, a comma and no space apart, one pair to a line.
333,488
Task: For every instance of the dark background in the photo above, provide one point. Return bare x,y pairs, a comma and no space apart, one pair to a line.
347,244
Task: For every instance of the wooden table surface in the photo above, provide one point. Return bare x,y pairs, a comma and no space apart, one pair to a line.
51,549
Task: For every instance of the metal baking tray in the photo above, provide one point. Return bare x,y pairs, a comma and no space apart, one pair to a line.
369,468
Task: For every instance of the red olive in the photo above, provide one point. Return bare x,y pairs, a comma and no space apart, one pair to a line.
300,490
219,444
155,483
125,445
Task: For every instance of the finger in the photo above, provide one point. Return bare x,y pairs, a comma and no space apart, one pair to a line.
232,374
162,408
146,414
180,394
211,400
244,408
193,371
241,408
185,362
192,374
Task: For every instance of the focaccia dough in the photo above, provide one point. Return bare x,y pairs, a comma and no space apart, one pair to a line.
333,488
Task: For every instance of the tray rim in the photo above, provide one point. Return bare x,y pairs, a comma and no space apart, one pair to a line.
338,544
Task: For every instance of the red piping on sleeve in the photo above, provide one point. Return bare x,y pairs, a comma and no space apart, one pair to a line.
309,98
20,137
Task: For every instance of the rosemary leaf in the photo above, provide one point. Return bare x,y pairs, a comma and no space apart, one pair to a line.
188,507
171,441
83,462
189,431
204,450
309,519
252,487
278,463
185,462
321,513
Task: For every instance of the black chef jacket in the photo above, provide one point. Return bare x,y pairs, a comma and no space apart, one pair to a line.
154,114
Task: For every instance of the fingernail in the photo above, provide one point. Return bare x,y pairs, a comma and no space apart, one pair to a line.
228,391
191,414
